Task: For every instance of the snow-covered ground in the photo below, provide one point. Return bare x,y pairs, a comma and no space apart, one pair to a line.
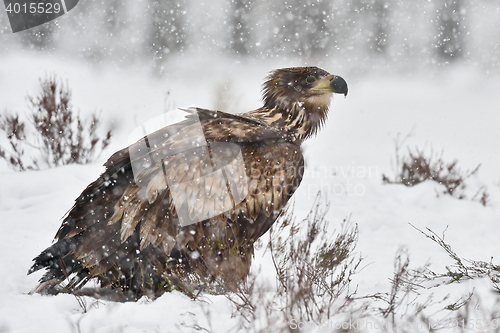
455,112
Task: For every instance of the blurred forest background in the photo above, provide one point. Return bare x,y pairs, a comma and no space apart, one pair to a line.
360,34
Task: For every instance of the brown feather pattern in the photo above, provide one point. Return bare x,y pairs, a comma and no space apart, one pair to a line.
193,197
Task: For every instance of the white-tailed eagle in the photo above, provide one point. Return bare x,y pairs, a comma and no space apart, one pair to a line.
189,200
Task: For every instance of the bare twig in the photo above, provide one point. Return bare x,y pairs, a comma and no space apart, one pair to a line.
58,135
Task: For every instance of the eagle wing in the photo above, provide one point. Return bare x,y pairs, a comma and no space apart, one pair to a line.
213,176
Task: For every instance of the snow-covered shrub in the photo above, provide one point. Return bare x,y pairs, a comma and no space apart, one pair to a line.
417,167
315,289
57,136
314,269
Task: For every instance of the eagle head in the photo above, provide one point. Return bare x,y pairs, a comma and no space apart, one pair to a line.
301,95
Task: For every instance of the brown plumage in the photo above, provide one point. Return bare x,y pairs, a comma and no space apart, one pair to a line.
187,202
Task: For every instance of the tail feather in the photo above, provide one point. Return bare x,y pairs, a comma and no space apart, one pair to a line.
55,259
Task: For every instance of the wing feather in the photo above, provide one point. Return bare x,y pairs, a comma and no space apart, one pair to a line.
229,186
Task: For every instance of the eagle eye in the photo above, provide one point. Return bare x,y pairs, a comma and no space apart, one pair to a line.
310,79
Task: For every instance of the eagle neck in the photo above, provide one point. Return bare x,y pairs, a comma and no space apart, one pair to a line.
297,120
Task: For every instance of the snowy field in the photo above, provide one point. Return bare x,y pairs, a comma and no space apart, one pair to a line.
453,112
